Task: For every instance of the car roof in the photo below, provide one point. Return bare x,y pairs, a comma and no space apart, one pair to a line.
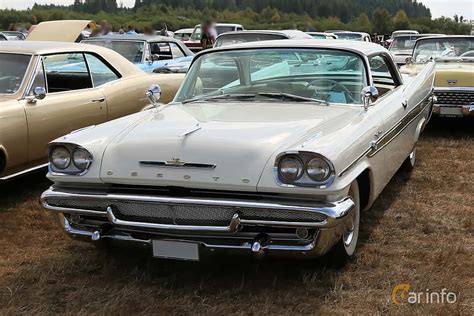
187,30
350,32
363,48
287,33
43,48
445,37
132,37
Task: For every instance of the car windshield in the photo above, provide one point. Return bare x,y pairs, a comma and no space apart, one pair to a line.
349,36
229,39
196,36
132,50
224,28
443,48
405,42
12,71
282,74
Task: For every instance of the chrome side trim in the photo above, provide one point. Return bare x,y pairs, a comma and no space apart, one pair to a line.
24,172
355,161
168,164
391,134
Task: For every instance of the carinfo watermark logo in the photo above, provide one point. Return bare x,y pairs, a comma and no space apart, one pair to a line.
403,293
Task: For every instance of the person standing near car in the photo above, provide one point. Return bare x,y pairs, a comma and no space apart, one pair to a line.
208,35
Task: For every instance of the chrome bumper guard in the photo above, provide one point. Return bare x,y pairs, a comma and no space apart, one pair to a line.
329,230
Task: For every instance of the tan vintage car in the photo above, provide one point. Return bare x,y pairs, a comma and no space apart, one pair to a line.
454,83
48,89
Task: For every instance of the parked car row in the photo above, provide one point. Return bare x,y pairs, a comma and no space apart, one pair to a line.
273,143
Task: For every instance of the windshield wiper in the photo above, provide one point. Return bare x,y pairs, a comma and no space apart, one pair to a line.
289,96
221,96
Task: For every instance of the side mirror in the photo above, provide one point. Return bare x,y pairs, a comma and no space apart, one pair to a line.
369,94
155,57
153,94
39,93
409,60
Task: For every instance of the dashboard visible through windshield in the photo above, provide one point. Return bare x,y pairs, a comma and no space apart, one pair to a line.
320,75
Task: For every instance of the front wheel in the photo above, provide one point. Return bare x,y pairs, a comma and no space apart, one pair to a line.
346,246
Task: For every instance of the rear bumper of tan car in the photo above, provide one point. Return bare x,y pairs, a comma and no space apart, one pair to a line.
239,226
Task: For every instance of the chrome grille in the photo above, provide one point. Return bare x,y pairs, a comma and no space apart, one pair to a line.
184,214
454,98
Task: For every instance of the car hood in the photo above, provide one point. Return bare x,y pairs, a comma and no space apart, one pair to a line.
224,145
454,74
59,31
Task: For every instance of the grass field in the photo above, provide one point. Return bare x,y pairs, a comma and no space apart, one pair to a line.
420,231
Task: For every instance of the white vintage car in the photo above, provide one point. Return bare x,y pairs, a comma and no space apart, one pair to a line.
273,147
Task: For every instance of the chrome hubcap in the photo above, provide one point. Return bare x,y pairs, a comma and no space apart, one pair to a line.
349,234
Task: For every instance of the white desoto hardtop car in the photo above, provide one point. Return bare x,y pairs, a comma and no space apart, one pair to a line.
273,147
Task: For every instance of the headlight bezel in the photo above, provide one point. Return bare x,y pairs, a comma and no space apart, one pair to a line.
305,180
73,168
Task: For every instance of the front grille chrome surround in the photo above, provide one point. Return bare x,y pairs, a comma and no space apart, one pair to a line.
177,213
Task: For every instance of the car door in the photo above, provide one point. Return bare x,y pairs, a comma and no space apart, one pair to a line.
393,139
71,101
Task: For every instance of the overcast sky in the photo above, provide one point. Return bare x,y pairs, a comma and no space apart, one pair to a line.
438,7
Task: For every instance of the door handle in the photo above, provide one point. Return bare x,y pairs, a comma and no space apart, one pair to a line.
99,100
405,104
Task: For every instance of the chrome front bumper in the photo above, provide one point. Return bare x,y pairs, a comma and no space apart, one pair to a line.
454,102
245,232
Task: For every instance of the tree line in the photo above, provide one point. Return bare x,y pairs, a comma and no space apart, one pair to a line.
371,16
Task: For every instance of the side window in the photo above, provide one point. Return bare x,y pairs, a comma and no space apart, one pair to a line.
66,72
160,51
176,51
39,80
381,74
100,72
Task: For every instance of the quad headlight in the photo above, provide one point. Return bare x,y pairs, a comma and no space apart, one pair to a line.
304,169
290,168
69,159
60,157
318,169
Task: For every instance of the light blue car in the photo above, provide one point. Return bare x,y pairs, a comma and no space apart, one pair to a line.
147,52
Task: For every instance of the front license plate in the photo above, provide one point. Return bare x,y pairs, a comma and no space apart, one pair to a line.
452,112
175,250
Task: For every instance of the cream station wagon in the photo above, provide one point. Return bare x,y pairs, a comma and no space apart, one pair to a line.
268,148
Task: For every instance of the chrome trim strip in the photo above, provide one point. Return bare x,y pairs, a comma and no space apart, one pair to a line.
232,228
355,161
167,164
24,172
246,246
454,89
333,211
386,138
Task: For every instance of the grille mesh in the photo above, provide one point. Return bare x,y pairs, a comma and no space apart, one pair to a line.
184,214
454,98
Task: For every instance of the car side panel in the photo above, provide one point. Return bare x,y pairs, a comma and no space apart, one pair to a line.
13,135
